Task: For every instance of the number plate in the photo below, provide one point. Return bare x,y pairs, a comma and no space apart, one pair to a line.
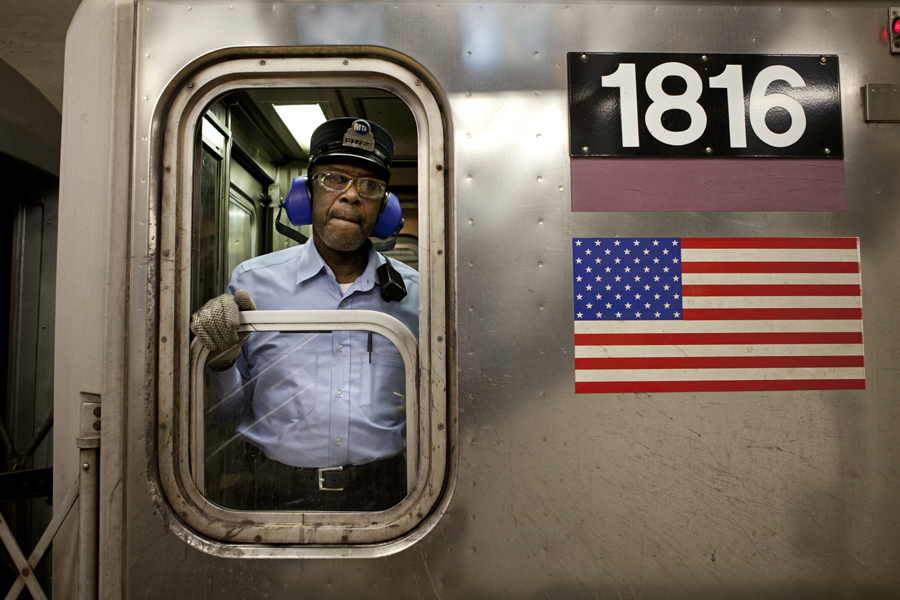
692,105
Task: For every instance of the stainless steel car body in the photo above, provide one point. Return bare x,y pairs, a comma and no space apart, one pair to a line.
548,493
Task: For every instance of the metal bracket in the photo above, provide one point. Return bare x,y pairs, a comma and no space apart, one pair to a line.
90,426
893,38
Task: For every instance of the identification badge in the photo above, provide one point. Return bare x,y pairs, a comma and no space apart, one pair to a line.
360,136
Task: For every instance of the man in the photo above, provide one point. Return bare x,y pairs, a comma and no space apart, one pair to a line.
326,410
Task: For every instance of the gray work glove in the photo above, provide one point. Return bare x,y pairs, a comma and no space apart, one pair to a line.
215,325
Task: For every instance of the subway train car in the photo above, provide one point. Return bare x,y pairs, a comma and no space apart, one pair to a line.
647,236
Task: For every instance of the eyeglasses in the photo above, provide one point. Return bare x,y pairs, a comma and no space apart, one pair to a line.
370,189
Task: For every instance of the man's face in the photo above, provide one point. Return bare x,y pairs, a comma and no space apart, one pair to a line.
343,220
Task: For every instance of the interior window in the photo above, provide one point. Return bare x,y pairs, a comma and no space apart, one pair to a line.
305,419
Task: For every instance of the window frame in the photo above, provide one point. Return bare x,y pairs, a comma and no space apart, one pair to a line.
301,534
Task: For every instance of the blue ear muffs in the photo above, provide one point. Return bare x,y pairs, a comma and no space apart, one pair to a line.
299,210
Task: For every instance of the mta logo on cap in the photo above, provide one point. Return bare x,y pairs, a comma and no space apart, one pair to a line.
360,135
361,127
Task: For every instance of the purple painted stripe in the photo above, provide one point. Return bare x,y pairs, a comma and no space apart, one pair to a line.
698,184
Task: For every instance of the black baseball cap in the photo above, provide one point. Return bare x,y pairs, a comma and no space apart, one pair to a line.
348,137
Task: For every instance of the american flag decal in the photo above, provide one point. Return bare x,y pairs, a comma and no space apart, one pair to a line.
717,314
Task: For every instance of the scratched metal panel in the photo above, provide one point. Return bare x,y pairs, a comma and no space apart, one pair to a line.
743,495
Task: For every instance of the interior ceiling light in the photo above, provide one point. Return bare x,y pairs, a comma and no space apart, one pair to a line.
301,120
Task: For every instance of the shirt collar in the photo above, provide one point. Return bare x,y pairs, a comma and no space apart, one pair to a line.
311,264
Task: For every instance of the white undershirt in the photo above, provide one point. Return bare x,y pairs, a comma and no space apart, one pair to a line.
345,286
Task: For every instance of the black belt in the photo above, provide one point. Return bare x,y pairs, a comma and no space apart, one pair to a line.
336,479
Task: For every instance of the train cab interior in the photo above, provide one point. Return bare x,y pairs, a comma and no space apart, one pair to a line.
250,145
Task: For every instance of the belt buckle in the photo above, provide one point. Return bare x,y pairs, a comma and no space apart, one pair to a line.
321,475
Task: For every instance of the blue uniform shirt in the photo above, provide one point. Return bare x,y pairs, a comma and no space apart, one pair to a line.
318,399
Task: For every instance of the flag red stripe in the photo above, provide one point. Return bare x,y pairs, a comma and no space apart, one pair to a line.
770,267
774,243
668,339
624,387
720,362
771,290
767,314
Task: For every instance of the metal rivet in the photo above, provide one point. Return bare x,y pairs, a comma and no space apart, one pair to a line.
26,572
163,426
96,411
344,538
704,58
85,466
164,338
584,58
262,63
440,338
418,82
258,538
823,60
440,426
168,169
346,62
827,150
439,167
96,425
183,515
190,84
440,252
585,149
165,252
708,150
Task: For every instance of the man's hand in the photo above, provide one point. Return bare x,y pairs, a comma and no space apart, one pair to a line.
215,325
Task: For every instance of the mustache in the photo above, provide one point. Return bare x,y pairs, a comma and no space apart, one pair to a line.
344,213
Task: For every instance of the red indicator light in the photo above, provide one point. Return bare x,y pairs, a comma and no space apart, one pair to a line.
895,25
